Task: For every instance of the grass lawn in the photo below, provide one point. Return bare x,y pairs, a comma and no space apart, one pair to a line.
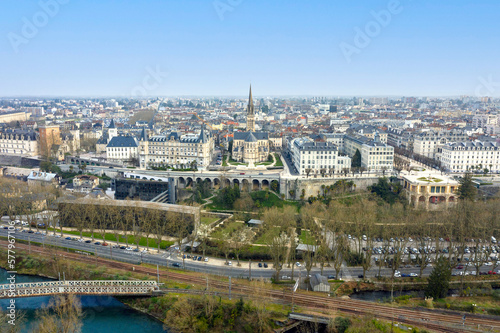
264,163
271,201
229,226
208,219
111,237
305,237
279,163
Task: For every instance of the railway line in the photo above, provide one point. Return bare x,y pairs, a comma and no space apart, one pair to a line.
436,322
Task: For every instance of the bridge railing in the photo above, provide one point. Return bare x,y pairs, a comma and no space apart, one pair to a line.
111,283
117,287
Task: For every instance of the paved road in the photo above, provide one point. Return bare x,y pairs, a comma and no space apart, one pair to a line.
165,258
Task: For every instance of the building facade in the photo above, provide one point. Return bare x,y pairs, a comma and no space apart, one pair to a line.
430,192
317,158
50,136
465,156
123,149
375,155
19,143
428,143
180,152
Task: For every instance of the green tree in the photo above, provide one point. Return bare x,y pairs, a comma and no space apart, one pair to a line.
356,159
439,280
467,190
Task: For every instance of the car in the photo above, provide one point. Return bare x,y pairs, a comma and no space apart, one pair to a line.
242,173
403,275
58,236
488,263
194,258
38,233
298,264
206,259
331,277
285,277
6,228
68,238
176,264
97,243
123,247
188,256
229,263
144,251
460,267
413,274
104,244
265,265
88,241
260,264
492,273
361,276
184,257
136,249
116,246
128,249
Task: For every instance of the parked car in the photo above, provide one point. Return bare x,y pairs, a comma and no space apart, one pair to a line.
206,259
104,244
260,264
331,277
88,241
176,264
413,274
68,238
97,243
285,277
265,265
298,264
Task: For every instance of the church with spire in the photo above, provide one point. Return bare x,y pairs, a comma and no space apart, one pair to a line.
250,147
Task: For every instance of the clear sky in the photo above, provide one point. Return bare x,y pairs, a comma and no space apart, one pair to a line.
216,48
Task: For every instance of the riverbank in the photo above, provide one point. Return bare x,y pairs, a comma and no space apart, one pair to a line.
178,311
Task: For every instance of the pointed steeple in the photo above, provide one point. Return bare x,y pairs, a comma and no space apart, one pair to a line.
202,137
112,124
250,113
250,98
143,136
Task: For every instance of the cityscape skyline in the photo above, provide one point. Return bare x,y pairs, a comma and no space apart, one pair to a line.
165,48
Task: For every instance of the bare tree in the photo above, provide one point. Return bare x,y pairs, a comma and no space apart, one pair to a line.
63,314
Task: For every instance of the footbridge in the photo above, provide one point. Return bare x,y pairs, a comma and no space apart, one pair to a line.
99,288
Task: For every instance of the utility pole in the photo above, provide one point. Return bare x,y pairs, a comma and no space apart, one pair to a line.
250,269
158,273
229,287
29,243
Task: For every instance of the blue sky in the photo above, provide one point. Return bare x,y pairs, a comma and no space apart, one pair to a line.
216,48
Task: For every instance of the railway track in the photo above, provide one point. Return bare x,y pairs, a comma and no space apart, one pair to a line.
437,322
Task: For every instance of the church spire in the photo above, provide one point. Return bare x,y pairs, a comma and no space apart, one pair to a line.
250,113
250,99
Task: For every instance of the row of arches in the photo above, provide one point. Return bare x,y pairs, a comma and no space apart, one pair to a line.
215,183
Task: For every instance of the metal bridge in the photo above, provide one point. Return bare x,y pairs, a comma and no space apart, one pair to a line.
48,288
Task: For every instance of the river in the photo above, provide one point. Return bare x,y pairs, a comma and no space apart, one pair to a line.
101,313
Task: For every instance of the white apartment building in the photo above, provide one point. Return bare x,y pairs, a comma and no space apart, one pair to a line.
176,151
19,143
462,156
317,157
428,143
122,148
375,155
482,120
